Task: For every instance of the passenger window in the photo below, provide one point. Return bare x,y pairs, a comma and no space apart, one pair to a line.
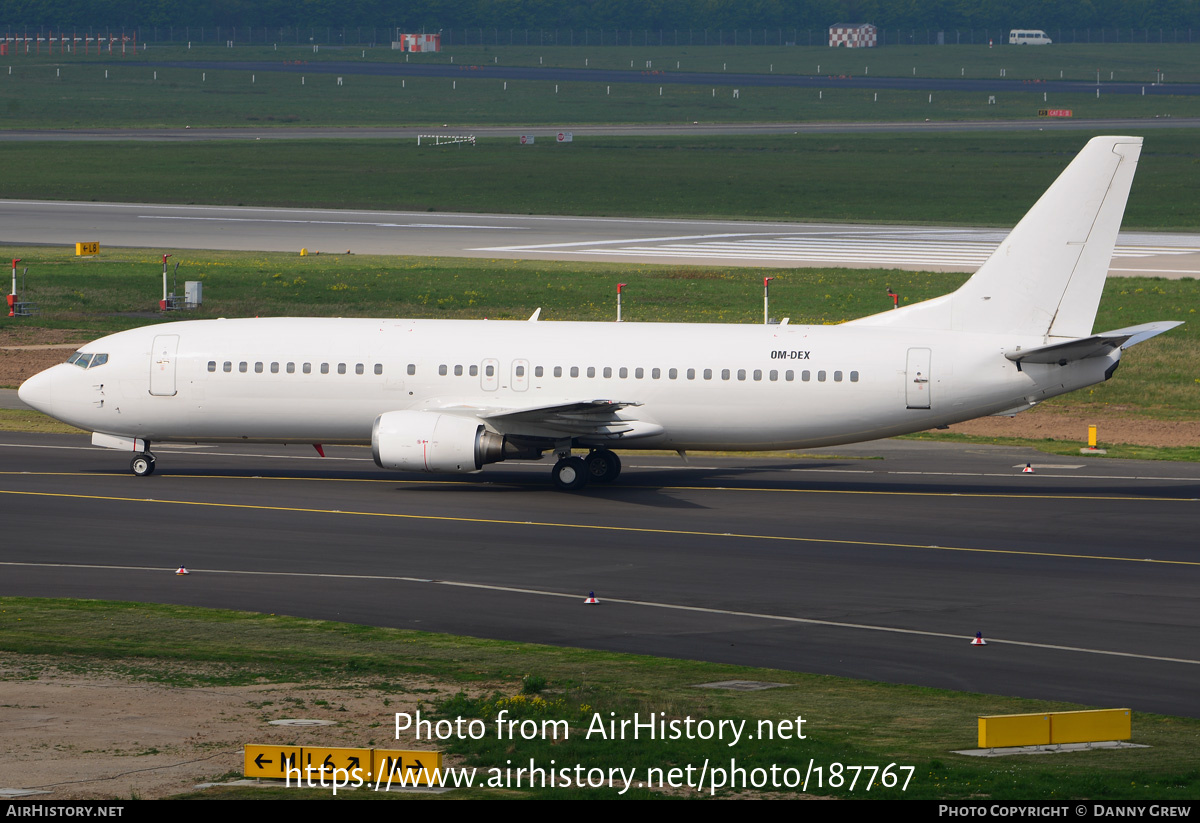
558,371
574,371
243,367
773,375
324,368
341,368
741,374
473,371
490,371
672,374
691,374
520,371
212,365
724,374
458,371
274,368
537,371
379,368
708,374
821,376
412,368
591,372
291,368
789,375
258,367
442,370
227,367
359,368
837,377
307,368
806,375
758,374
608,371
624,373
853,377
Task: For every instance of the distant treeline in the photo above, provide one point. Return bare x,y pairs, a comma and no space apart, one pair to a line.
652,15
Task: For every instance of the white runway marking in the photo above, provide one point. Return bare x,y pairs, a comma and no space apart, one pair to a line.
331,222
943,247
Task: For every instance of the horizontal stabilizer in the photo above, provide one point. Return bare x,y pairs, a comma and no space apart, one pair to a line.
1098,345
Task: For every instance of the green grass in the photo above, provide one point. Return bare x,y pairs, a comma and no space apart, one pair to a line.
981,179
1124,62
128,95
1159,378
1070,448
847,721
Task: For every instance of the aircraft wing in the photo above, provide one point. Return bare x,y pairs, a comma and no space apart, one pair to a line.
593,419
1098,345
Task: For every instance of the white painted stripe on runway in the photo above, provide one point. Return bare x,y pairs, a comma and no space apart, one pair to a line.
332,223
777,618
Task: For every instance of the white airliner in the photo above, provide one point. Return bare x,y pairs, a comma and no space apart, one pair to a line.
454,395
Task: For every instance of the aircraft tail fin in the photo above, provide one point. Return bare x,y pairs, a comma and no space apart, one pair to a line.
1047,276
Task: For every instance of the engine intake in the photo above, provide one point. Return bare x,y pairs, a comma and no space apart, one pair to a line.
434,442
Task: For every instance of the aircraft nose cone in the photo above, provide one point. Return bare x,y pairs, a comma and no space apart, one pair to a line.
38,392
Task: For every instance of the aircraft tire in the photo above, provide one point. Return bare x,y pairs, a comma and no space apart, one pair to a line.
603,466
570,474
142,465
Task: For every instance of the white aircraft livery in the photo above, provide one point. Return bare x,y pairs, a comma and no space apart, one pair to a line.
454,395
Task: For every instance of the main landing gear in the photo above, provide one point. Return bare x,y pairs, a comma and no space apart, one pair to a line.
143,464
573,473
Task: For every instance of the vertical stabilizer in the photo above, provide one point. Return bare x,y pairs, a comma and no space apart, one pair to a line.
1047,276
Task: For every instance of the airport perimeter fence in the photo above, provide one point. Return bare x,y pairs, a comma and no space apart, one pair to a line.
358,36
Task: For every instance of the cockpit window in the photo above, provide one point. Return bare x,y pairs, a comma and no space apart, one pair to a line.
87,361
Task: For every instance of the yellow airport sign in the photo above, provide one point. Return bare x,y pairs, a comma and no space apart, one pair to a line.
1091,726
323,761
86,248
1002,731
269,761
1055,728
407,768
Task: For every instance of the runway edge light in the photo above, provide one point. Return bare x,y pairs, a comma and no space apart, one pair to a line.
978,641
182,570
591,598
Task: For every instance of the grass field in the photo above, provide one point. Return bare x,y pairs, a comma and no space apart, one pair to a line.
1159,378
981,179
88,94
1122,62
846,721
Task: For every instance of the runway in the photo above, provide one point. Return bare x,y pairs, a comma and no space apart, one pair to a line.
628,240
875,561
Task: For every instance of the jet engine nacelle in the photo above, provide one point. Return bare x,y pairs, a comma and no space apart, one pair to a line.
433,442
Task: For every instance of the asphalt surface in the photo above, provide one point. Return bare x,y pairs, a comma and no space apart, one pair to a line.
1081,575
629,240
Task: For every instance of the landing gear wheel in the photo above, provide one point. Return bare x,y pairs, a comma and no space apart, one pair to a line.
603,466
142,465
570,474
